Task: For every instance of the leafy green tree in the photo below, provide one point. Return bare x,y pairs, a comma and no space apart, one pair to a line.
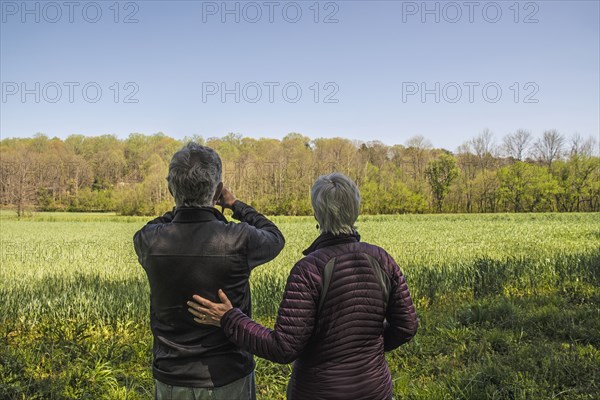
526,187
440,173
106,173
574,177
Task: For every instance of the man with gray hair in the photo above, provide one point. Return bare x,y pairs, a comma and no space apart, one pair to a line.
194,249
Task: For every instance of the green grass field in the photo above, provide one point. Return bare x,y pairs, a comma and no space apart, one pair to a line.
509,305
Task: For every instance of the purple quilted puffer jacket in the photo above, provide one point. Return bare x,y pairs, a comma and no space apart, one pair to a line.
337,349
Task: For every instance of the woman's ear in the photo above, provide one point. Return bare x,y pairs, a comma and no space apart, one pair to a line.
218,192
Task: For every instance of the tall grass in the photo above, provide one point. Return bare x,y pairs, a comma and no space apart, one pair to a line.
489,289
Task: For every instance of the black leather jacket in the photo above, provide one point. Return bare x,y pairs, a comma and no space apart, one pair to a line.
196,251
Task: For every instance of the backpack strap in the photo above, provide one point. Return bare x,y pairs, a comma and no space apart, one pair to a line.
382,278
327,273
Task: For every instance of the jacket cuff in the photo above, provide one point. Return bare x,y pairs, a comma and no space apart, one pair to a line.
238,209
228,320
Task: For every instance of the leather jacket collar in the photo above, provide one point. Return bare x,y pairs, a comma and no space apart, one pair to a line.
197,214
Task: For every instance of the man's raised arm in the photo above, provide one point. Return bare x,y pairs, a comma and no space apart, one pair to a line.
265,241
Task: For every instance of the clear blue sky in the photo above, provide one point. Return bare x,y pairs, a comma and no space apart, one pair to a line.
375,58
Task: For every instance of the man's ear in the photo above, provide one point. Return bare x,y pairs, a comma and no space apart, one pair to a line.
218,192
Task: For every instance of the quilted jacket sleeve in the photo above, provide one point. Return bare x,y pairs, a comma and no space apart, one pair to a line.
293,328
401,316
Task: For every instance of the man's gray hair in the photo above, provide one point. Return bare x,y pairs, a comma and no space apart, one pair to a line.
194,173
335,200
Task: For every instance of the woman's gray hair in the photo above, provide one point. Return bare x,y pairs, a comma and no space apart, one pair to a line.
335,201
194,174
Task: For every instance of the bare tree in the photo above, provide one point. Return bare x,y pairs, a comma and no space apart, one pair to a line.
418,142
19,179
483,146
467,160
581,146
517,144
417,147
549,147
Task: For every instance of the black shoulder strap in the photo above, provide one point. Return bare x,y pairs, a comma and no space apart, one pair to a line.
382,278
327,273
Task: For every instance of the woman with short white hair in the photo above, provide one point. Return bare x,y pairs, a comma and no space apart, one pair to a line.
345,304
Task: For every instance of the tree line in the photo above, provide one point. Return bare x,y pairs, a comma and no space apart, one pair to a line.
518,173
